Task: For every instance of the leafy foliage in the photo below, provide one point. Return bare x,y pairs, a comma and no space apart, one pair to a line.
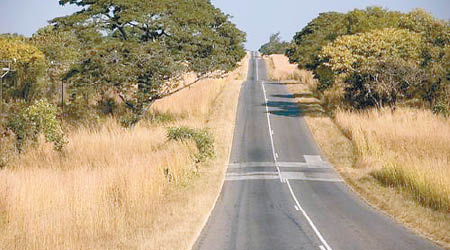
28,64
377,56
138,50
40,118
362,52
202,138
274,46
15,48
307,43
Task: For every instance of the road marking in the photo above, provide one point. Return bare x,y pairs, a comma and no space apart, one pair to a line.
319,235
275,156
256,61
256,177
296,208
313,159
322,247
270,164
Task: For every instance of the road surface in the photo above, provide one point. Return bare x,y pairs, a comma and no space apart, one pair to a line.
280,194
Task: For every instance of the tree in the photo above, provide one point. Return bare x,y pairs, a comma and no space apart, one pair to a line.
307,43
435,55
140,49
332,46
378,67
28,63
274,46
61,50
327,27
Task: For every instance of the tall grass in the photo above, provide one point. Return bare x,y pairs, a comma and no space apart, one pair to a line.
105,188
279,69
111,188
408,149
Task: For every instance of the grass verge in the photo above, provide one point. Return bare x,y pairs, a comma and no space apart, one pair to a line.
399,162
119,188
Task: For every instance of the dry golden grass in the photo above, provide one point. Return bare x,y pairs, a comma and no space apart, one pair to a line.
408,149
279,69
398,162
110,190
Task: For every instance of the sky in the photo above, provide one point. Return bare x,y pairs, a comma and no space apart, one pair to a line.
258,18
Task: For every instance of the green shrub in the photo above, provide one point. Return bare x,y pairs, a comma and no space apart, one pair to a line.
442,109
128,119
162,118
202,138
39,118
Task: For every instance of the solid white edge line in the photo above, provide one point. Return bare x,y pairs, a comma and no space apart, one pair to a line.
322,247
270,134
319,235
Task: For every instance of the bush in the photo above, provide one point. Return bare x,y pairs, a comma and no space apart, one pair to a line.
40,118
202,138
442,109
378,67
28,64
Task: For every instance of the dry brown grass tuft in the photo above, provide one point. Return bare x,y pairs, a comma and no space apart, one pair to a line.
408,149
119,188
397,161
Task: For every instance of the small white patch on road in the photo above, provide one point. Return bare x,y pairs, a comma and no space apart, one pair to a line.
322,247
313,159
297,208
316,161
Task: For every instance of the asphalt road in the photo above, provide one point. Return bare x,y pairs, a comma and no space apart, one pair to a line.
280,194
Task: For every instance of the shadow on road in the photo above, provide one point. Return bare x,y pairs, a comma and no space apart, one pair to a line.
295,105
290,109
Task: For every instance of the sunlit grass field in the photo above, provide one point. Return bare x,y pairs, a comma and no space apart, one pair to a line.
118,188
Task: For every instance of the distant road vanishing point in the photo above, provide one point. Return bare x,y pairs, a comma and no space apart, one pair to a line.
279,193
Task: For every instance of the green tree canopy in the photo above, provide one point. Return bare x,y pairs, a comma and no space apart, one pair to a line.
402,55
379,66
307,43
139,48
274,46
362,52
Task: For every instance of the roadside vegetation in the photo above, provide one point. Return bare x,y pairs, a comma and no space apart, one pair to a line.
150,186
274,46
116,124
377,58
373,86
